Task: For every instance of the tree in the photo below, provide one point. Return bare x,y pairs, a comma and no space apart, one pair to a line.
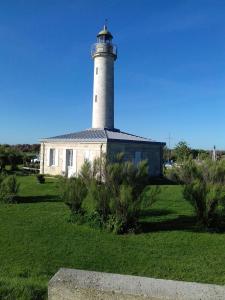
17,154
182,151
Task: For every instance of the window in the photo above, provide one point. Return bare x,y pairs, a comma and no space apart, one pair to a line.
96,71
96,98
52,157
137,157
88,155
69,157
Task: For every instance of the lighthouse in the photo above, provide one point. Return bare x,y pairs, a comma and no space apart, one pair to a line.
104,53
65,154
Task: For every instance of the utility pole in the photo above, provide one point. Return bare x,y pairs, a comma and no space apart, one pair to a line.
169,145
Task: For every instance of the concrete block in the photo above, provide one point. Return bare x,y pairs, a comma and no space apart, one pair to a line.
71,284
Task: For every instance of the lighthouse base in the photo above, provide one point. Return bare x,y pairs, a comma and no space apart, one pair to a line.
65,154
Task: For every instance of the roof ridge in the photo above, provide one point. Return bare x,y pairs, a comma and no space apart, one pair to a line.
99,135
80,135
136,135
107,137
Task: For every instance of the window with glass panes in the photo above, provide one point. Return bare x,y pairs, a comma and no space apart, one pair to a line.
69,155
52,157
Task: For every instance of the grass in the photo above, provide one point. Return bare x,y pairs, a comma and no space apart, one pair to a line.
36,239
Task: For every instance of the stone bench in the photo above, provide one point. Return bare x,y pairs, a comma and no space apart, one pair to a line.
71,284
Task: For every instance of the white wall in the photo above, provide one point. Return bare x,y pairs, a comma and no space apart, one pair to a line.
103,105
80,151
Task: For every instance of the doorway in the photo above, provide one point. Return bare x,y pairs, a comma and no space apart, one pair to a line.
69,163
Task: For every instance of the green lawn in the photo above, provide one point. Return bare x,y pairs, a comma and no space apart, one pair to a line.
36,239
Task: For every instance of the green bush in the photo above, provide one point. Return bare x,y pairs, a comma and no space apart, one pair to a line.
8,188
73,192
97,199
3,160
109,195
173,175
125,209
40,178
204,188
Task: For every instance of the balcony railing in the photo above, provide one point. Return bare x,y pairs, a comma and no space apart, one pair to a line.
103,48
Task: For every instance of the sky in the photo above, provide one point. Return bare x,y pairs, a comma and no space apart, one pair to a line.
169,75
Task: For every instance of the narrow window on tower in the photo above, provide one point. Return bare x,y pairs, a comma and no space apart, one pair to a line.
96,71
96,98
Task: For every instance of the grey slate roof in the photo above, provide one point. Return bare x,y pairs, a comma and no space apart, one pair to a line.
99,135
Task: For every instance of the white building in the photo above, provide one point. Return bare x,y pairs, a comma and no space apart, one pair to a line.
65,154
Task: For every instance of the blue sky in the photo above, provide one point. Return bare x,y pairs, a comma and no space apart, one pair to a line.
169,76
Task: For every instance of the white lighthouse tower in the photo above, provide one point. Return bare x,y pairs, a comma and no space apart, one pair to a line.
104,53
65,154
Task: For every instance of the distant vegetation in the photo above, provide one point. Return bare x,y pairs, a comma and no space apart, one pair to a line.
183,151
14,155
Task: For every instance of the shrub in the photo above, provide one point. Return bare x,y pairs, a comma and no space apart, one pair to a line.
214,171
8,189
124,208
204,189
126,184
3,161
149,196
73,192
109,195
173,175
40,178
2,177
97,199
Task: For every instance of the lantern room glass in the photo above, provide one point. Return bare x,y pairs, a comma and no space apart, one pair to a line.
104,39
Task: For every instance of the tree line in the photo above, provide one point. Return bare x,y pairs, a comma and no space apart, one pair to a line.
183,151
13,155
